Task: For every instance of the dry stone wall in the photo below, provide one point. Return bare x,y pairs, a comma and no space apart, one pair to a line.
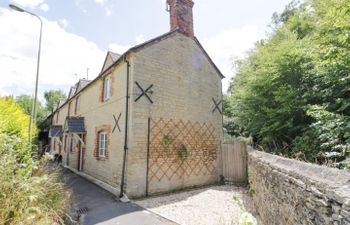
287,191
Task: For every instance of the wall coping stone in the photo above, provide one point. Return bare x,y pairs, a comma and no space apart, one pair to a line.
319,176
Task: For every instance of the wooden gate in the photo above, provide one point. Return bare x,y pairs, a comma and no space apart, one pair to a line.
234,159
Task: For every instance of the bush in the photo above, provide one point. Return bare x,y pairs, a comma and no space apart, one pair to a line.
327,140
13,120
29,195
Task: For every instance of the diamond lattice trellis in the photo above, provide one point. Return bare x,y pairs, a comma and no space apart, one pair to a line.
181,149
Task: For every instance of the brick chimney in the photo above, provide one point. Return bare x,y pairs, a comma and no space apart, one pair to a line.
181,16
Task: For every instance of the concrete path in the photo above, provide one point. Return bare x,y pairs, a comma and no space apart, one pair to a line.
100,207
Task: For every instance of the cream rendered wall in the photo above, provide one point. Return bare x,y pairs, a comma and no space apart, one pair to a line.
99,114
184,85
62,114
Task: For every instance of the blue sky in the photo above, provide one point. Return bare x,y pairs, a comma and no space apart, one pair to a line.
78,33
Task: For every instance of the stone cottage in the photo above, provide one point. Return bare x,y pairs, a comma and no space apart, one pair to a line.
151,121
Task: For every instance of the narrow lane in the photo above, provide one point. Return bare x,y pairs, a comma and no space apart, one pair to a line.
97,206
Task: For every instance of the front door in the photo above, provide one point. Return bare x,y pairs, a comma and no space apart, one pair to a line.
81,152
68,148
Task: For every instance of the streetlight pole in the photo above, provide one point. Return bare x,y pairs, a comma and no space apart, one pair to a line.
34,109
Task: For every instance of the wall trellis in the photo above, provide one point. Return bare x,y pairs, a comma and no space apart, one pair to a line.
169,139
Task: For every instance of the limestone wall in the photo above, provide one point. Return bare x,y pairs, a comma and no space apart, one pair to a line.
184,84
287,191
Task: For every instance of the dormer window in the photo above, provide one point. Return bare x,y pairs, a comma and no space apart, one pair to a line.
107,88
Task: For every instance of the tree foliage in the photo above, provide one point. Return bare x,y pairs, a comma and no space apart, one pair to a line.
26,102
13,120
292,93
52,98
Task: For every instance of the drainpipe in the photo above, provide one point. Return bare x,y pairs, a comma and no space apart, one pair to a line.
127,97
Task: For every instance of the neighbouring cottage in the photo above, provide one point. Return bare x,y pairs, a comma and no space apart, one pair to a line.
152,119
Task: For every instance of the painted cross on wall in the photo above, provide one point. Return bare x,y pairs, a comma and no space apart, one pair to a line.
217,106
144,92
116,121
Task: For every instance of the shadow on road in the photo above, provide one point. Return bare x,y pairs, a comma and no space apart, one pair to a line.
97,206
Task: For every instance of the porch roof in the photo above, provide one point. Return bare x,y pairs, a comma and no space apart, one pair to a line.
56,131
75,125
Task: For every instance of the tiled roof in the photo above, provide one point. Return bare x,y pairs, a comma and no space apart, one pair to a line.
72,91
81,84
60,103
136,48
110,59
55,131
75,125
114,56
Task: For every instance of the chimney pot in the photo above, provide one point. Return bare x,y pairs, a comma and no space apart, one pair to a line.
181,16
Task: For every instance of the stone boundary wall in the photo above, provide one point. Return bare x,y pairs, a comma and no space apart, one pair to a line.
286,191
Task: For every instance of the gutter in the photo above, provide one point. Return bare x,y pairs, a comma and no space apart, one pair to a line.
127,97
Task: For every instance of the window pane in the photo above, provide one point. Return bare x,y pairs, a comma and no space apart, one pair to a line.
102,144
107,88
100,141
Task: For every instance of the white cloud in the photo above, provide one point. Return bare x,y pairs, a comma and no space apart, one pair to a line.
28,3
64,23
120,49
228,45
63,55
108,11
140,39
44,7
100,2
81,4
117,48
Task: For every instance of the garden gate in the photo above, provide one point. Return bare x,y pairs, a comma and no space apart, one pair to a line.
234,157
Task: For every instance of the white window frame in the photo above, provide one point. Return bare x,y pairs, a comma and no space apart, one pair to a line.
107,89
102,144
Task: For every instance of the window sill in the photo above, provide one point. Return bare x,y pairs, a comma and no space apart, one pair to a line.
100,158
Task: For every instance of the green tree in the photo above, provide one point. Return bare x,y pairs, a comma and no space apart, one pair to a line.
52,98
26,102
267,96
13,120
292,93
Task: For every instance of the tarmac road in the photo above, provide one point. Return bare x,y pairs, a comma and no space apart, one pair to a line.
97,206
